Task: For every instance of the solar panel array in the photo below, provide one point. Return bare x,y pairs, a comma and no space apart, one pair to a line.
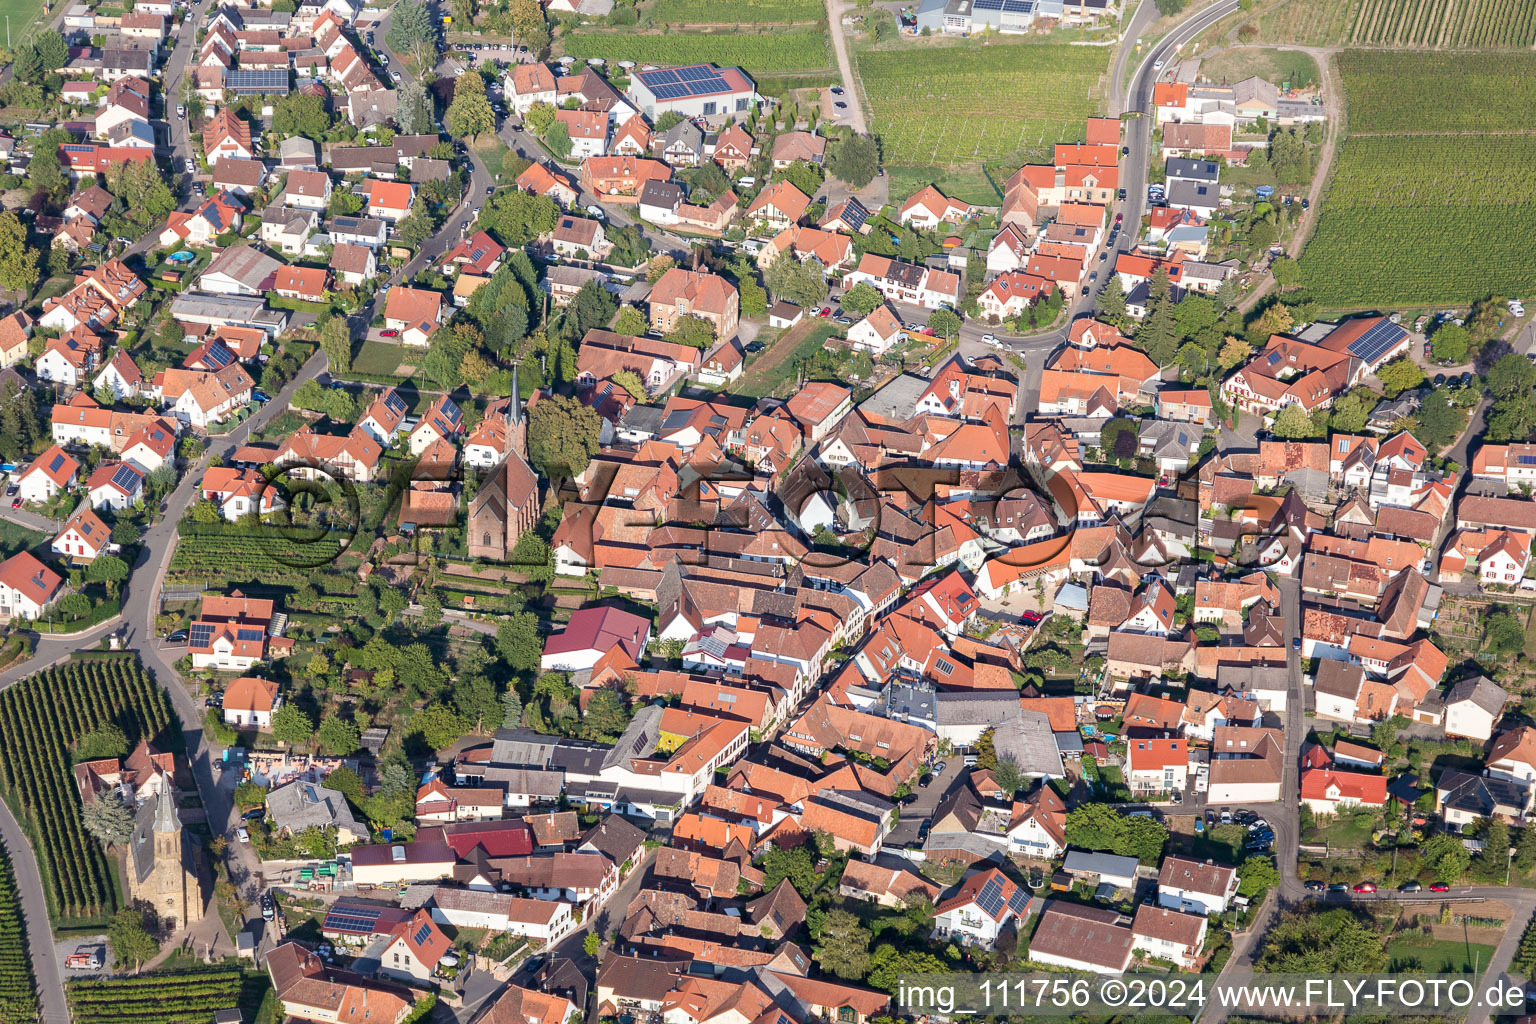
1018,902
248,634
1377,341
219,355
395,403
1006,6
126,477
991,898
201,634
263,80
678,83
1526,460
422,933
55,463
352,919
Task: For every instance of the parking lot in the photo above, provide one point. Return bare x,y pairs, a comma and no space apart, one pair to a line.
925,800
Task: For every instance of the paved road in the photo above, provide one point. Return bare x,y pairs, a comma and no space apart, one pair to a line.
835,11
29,882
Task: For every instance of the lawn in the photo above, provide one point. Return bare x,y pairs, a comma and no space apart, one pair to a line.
775,368
1414,951
1402,23
22,14
493,153
977,106
1339,832
14,538
378,359
1411,191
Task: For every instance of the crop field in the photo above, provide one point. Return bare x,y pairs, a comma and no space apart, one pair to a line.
1422,210
186,997
18,990
40,718
221,555
764,52
1000,104
1418,24
1438,92
737,12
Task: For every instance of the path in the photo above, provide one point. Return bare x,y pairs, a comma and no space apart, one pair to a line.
29,885
856,120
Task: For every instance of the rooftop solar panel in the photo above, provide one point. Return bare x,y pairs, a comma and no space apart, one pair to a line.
395,402
200,635
695,74
248,634
126,477
1377,341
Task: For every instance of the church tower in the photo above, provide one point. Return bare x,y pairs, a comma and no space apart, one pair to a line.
161,870
517,420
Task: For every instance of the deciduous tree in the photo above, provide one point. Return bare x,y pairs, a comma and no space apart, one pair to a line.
562,436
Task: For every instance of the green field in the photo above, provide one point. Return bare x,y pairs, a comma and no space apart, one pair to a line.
1416,218
714,12
763,52
942,112
1459,24
377,358
22,14
1409,951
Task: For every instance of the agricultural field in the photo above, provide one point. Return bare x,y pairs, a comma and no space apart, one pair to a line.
763,52
185,997
1438,92
999,105
221,555
18,989
737,12
1417,24
40,718
1417,213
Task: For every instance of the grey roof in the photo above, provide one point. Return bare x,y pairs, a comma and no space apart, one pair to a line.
1072,597
1194,170
522,748
1069,742
1193,193
202,304
1480,690
573,277
661,193
639,738
686,132
976,707
578,759
1481,795
615,837
1026,739
157,815
643,418
525,781
246,264
364,226
1081,862
908,700
299,805
297,152
898,399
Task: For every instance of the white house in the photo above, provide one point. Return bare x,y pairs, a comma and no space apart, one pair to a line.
116,485
27,586
1168,935
1195,887
1082,938
542,920
1472,707
51,472
877,333
980,909
84,537
249,702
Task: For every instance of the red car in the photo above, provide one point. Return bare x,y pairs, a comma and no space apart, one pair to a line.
1365,887
1439,887
824,311
1119,217
389,334
16,503
928,331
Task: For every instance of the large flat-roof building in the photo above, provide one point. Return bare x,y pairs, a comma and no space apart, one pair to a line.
694,90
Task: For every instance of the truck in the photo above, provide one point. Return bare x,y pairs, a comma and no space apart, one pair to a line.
83,959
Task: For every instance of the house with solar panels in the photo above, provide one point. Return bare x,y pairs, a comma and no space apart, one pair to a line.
231,633
116,485
985,904
696,90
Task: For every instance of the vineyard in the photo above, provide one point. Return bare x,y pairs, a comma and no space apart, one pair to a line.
190,997
713,12
764,52
219,555
945,110
39,718
1462,24
1418,218
1438,92
18,991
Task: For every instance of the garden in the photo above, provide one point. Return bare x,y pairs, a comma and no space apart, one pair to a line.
978,108
41,718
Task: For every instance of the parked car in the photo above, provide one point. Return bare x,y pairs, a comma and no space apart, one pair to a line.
390,333
258,395
1338,887
1365,887
16,502
843,320
178,637
1295,643
1314,886
1439,379
181,111
754,346
922,783
242,835
990,339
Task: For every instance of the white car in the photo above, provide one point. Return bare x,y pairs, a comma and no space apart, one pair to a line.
181,111
596,212
242,835
990,339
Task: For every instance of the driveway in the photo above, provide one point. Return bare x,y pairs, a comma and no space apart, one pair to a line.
927,801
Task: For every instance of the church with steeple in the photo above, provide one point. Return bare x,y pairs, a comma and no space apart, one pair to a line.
507,503
162,872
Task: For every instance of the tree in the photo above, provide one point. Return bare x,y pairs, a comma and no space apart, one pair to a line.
1503,634
630,381
108,569
1493,859
796,864
855,160
793,281
1112,299
1451,343
18,261
1351,411
1274,320
338,735
1101,827
592,943
1293,421
1195,315
27,63
1525,850
1159,333
1444,855
511,708
605,717
108,820
1256,875
470,112
438,725
558,138
630,321
52,50
945,323
131,941
1287,273
693,331
754,297
336,341
518,642
1169,8
411,31
1008,777
1513,374
1401,374
292,725
528,24
301,114
844,946
562,436
415,109
539,117
344,203
1511,419
668,120
802,174
146,195
862,299
74,607
104,741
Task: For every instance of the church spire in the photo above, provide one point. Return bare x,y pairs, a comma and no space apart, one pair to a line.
166,818
515,406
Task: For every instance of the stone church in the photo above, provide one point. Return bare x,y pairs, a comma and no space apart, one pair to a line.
507,503
162,872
